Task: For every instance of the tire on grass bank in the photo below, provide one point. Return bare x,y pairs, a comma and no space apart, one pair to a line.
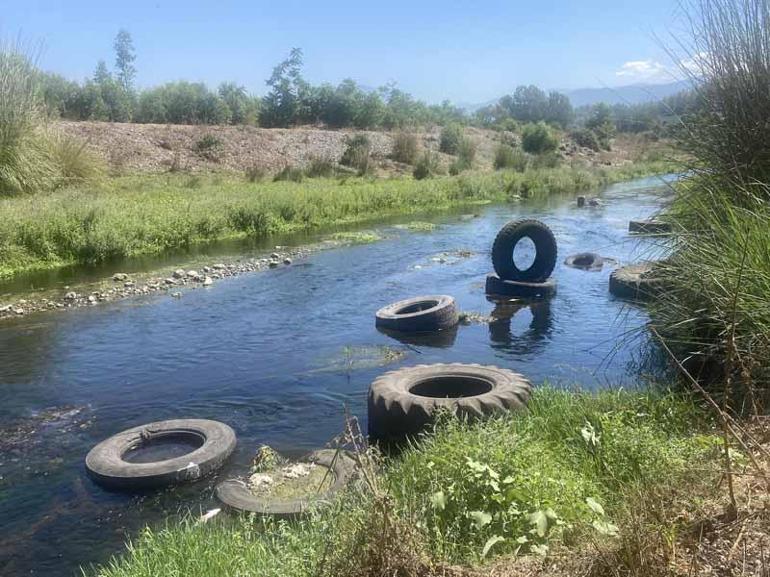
236,495
506,241
106,463
403,402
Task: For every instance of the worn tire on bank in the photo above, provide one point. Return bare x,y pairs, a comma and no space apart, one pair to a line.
419,314
505,243
105,464
511,288
635,282
403,402
236,495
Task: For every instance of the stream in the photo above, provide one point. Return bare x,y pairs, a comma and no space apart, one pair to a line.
279,354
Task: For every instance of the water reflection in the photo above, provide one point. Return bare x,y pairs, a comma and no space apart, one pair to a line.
442,339
509,316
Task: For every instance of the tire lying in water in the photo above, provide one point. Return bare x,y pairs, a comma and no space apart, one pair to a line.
443,339
236,495
511,288
212,443
585,261
649,226
403,402
635,282
506,241
419,314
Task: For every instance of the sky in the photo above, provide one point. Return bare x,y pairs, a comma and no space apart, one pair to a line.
466,52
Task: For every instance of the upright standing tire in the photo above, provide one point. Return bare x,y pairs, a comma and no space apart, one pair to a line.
106,465
526,290
419,314
402,402
508,238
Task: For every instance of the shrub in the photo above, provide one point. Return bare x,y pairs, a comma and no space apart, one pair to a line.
320,167
538,138
255,173
290,173
546,160
466,154
586,138
405,147
507,157
450,139
358,154
427,166
209,147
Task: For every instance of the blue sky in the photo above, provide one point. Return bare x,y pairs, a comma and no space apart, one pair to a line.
465,51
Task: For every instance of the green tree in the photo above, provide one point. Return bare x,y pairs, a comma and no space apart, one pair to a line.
529,104
558,110
600,123
124,60
538,138
283,105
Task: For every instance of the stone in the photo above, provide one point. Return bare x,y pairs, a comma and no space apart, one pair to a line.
6,308
208,281
179,273
219,266
18,311
91,299
275,256
273,263
129,284
70,296
193,274
176,295
169,281
120,277
287,261
206,269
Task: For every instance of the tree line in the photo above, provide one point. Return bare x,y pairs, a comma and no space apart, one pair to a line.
111,95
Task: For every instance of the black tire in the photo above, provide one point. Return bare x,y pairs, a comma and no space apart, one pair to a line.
649,227
237,496
585,261
635,282
511,288
419,314
106,466
402,402
545,248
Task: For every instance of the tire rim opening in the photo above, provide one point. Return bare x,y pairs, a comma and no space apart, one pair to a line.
524,253
451,387
417,307
163,446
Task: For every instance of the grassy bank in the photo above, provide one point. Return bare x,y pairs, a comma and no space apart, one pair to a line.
578,472
136,215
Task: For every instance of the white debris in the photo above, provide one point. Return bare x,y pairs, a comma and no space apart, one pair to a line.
297,470
260,481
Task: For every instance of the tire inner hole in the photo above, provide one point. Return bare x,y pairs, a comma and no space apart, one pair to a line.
524,253
451,387
163,446
417,307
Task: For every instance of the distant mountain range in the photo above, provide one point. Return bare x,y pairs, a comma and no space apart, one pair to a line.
630,94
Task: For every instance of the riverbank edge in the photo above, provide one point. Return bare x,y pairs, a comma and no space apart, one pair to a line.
158,281
651,510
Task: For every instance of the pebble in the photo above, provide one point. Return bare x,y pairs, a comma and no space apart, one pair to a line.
129,284
176,295
70,296
179,273
169,281
208,281
91,299
219,266
192,274
273,263
275,256
287,261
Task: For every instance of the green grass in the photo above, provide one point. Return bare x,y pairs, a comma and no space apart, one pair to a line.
564,473
130,216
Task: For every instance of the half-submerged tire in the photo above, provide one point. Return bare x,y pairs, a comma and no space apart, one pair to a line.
215,442
635,282
236,495
442,339
649,226
419,314
508,238
403,402
511,288
585,261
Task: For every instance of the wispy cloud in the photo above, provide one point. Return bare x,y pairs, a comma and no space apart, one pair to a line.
644,71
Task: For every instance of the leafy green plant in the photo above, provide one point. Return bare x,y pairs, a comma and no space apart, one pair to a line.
320,167
538,138
357,154
427,166
290,173
451,137
209,147
405,147
507,157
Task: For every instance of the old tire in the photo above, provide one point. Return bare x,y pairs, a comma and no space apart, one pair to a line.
585,261
106,466
510,288
237,496
505,243
635,282
402,402
443,339
649,226
418,315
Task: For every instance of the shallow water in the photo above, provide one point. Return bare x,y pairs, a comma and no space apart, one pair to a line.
273,354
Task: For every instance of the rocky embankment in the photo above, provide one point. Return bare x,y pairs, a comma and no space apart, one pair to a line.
124,285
